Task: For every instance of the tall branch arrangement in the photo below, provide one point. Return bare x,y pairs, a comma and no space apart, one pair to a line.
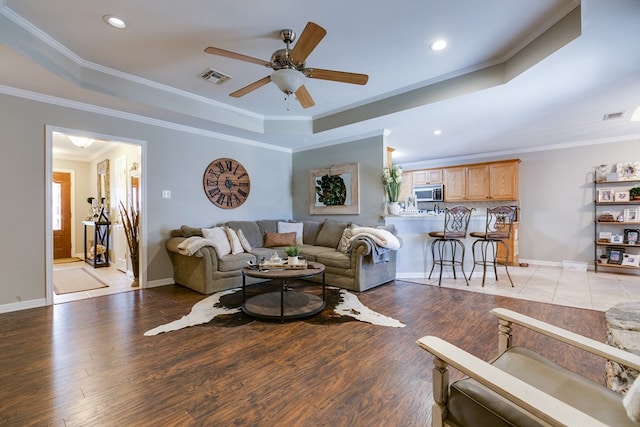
131,224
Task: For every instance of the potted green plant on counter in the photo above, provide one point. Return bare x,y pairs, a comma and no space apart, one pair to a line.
634,193
392,182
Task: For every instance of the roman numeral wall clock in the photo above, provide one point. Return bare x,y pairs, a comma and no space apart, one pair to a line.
226,183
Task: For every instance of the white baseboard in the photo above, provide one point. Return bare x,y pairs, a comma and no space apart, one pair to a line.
161,282
23,305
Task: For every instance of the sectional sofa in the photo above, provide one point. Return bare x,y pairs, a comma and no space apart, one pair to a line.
350,262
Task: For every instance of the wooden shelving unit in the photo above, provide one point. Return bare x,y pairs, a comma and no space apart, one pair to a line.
617,227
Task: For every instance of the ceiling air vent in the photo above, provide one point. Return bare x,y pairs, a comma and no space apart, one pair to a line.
610,116
214,76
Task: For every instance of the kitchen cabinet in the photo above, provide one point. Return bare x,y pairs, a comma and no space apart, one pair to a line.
406,187
514,247
482,182
427,176
454,184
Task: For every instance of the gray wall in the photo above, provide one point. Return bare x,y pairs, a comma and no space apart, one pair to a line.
555,188
369,153
174,161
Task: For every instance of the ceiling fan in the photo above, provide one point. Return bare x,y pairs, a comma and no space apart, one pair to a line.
289,70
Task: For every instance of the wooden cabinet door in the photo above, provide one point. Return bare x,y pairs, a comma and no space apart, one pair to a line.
406,187
454,184
513,243
504,181
478,182
420,177
434,176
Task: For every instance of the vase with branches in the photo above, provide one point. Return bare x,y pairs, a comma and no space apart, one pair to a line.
131,224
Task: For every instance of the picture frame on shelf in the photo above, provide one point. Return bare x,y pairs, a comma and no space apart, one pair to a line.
631,215
632,260
631,236
410,203
604,237
615,255
621,196
628,171
605,195
617,238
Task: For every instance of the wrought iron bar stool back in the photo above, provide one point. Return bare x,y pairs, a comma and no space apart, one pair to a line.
498,229
447,242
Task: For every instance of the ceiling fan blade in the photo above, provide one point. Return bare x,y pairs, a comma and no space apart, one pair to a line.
337,76
304,98
249,88
234,55
309,39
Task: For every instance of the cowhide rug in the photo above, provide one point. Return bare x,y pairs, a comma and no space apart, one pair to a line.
224,309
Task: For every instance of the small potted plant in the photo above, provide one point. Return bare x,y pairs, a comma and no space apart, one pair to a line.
292,254
634,193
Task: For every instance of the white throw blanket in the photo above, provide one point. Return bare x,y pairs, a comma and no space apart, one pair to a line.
190,245
381,237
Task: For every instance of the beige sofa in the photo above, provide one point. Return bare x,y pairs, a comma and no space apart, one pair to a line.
358,269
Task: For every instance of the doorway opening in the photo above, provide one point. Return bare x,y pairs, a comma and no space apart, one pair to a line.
87,250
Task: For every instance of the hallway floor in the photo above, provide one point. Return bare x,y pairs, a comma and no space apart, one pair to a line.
581,289
116,279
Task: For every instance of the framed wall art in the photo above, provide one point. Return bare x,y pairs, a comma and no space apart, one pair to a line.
333,190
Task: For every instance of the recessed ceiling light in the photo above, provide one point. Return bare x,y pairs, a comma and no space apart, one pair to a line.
437,132
438,45
114,21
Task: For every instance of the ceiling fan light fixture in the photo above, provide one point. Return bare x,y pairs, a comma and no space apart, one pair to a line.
288,80
81,141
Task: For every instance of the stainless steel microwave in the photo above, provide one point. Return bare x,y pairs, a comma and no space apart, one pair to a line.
429,193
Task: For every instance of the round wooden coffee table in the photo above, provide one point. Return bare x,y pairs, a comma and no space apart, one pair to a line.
285,303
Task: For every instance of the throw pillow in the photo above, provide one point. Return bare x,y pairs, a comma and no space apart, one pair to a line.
234,242
243,240
272,240
330,233
190,231
631,401
345,240
220,240
288,227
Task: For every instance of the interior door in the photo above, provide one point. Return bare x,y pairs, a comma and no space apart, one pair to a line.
61,205
119,238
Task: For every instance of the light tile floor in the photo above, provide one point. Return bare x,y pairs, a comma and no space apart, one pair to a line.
581,289
116,280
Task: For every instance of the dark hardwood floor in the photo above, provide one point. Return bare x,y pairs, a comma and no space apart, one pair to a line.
87,363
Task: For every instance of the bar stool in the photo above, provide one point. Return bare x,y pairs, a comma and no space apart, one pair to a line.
456,222
498,229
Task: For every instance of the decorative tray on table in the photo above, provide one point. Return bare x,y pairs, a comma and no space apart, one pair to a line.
283,265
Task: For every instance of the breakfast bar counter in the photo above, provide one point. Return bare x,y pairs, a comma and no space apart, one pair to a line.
414,257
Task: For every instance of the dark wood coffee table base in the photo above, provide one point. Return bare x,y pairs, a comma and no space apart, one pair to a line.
295,305
287,303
